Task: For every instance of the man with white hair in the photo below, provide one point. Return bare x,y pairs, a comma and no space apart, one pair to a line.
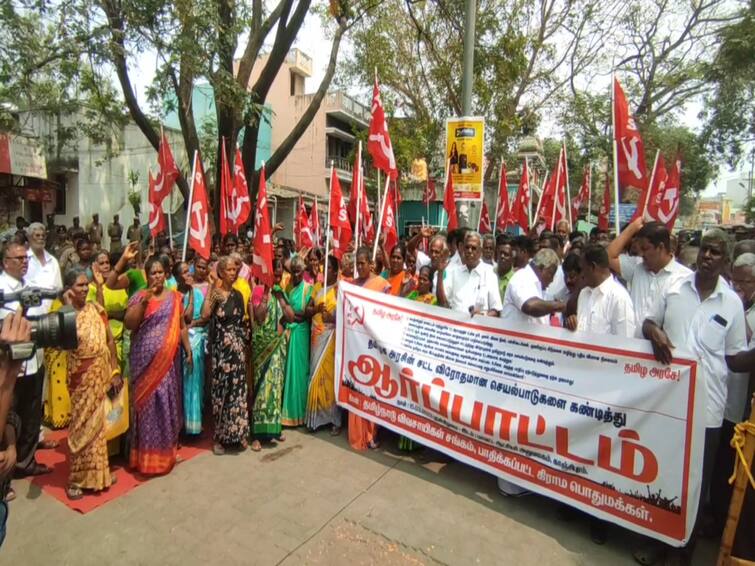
472,287
524,302
44,271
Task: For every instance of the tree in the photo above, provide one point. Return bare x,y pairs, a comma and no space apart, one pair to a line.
525,53
729,110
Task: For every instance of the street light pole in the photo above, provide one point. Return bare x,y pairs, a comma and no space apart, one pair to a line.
470,216
467,78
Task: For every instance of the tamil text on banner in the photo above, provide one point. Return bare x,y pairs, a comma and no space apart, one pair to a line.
465,140
592,421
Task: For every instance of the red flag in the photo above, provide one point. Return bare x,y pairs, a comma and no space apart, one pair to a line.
314,224
520,209
485,226
389,223
605,208
553,207
303,232
167,171
397,200
199,213
630,151
156,216
583,196
240,205
262,261
226,224
430,194
659,177
339,217
449,203
379,142
504,214
669,207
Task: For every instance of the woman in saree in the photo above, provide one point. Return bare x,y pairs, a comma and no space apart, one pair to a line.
201,271
397,277
228,335
269,346
362,432
297,360
113,301
157,334
321,400
193,376
313,274
93,373
424,291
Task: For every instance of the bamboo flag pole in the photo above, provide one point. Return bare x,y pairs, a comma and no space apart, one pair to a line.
650,186
380,218
327,231
555,192
615,161
589,193
498,196
568,190
357,229
188,208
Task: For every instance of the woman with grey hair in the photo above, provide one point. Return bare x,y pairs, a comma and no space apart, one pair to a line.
295,389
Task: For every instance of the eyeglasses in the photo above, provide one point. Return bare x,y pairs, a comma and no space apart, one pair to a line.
18,257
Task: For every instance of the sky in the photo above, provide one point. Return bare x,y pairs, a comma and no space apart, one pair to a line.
313,42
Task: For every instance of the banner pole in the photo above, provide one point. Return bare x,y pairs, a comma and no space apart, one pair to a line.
188,208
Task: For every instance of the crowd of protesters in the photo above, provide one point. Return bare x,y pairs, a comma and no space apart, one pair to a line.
202,348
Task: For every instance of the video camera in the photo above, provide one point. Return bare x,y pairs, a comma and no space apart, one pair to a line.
54,330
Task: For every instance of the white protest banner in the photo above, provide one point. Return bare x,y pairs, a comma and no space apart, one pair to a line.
593,421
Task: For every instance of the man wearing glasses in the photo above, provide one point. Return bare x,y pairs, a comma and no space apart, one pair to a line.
27,396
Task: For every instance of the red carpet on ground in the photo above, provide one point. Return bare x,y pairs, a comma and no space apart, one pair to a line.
54,484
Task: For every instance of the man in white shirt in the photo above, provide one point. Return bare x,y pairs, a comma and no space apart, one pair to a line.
524,300
27,395
44,271
604,305
652,272
472,287
704,315
456,239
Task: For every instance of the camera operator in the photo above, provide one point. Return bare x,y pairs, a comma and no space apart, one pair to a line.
15,329
27,396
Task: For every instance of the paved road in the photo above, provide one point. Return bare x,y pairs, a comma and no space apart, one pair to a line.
311,500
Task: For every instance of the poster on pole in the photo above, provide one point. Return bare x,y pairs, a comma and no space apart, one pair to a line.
465,153
592,421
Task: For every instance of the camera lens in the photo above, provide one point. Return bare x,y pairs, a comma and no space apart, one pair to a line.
56,330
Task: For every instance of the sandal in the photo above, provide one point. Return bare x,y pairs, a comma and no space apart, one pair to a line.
74,493
335,431
36,469
281,438
113,479
47,444
10,496
373,445
218,449
256,446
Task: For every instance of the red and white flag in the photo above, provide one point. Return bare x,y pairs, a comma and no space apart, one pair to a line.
156,216
303,232
240,206
669,207
485,225
199,213
314,224
167,171
262,260
630,150
583,197
389,223
449,203
605,208
226,186
658,177
379,142
430,195
504,214
521,206
339,217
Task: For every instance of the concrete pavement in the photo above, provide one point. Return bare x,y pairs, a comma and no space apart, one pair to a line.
312,500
